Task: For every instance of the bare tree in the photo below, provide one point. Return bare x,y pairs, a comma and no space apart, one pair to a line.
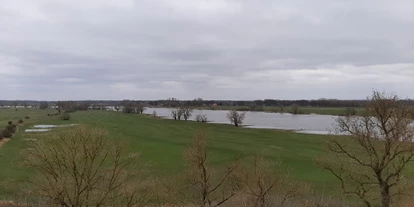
295,108
177,113
174,114
187,112
266,184
84,168
65,106
117,108
370,162
206,186
43,105
132,107
236,117
201,118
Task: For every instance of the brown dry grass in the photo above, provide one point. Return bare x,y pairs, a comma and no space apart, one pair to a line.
3,141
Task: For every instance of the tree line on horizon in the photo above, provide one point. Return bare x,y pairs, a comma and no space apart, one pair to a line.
199,102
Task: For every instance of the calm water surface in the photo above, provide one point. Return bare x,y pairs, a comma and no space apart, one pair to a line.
312,124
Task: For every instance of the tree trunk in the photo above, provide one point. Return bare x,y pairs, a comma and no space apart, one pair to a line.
385,196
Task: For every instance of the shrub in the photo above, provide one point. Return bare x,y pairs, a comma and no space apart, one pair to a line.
1,135
48,114
201,118
27,117
10,122
12,128
235,117
21,121
350,112
7,133
65,116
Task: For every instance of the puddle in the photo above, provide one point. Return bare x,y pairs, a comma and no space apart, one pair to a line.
36,130
52,126
30,139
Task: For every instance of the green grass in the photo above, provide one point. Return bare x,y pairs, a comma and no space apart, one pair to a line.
161,143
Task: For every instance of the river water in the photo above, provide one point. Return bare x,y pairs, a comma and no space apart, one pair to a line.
310,124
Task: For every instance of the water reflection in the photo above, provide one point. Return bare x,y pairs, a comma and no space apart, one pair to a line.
310,124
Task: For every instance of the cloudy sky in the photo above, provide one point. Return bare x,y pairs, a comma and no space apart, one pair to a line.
214,49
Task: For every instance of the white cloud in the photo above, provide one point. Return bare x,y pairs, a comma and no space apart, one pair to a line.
217,49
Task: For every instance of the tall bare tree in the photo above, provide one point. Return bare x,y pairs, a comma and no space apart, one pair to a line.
370,161
187,112
266,184
177,113
84,168
236,117
205,186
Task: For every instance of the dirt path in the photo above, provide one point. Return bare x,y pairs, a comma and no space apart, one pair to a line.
4,140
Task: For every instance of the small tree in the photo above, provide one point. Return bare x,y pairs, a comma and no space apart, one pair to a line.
187,112
370,162
204,187
43,105
236,117
85,168
201,118
266,184
20,121
154,114
350,111
177,113
295,108
65,116
7,133
12,128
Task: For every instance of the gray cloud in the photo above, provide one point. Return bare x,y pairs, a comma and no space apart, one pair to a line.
216,49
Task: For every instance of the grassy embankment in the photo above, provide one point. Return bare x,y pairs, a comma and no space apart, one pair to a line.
161,143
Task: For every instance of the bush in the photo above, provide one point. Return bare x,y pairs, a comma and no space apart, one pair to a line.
65,116
1,135
350,112
21,121
7,133
201,118
48,114
27,117
10,122
12,128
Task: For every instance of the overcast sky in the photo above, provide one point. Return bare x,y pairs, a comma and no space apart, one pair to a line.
214,49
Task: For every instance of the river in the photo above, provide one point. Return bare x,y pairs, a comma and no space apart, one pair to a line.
310,124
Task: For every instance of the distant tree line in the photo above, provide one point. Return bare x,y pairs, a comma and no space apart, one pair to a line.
198,102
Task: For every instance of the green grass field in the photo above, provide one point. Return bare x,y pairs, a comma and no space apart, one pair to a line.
161,143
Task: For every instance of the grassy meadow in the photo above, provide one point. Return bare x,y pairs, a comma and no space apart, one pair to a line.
161,143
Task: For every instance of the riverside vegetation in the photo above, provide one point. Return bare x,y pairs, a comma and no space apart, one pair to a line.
123,159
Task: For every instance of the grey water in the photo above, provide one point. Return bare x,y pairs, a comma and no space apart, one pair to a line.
310,124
